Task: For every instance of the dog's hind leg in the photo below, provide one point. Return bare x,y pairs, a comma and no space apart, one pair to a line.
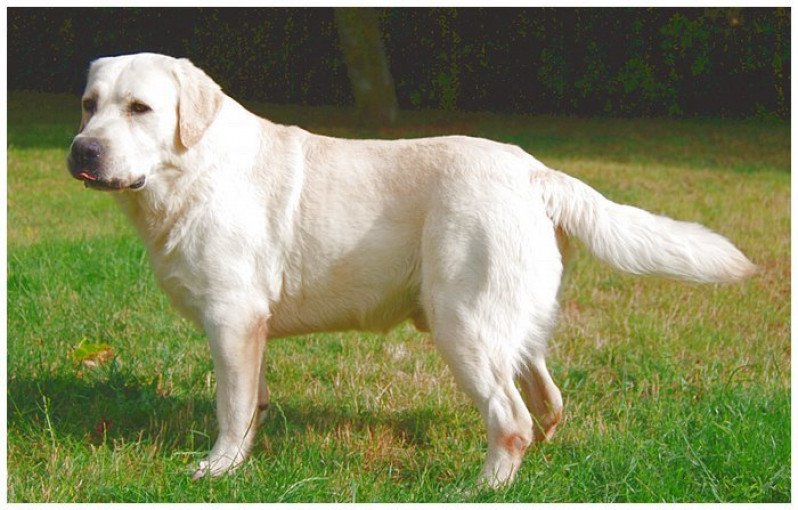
487,378
488,291
542,396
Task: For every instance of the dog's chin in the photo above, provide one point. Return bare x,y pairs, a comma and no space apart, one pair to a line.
115,185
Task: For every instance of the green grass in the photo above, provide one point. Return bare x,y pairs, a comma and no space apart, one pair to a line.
673,392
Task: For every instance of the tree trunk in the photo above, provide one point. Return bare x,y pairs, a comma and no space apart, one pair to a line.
367,64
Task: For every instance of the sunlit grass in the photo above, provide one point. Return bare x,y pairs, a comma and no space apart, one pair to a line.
673,391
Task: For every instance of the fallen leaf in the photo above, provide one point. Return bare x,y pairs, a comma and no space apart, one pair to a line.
92,354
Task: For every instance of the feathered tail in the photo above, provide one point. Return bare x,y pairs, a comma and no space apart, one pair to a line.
637,241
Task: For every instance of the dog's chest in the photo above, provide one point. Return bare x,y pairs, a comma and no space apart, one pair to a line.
183,285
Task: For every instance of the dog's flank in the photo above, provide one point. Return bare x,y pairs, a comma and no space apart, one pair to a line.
257,229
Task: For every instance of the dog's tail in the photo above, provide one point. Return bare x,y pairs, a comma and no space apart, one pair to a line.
637,241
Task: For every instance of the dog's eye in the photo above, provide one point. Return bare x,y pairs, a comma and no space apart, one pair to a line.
139,108
89,105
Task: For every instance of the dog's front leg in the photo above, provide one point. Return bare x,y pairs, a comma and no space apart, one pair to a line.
237,352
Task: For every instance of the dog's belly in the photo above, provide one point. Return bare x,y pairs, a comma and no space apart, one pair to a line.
369,309
355,264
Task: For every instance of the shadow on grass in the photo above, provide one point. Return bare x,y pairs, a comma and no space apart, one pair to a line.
120,407
409,426
96,409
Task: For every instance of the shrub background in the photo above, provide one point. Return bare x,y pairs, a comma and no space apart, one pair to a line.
587,62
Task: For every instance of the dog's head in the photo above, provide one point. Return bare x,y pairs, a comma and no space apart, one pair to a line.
141,113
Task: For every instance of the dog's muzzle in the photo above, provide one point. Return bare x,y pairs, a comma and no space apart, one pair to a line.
85,163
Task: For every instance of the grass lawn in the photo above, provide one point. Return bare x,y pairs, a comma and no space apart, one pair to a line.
673,392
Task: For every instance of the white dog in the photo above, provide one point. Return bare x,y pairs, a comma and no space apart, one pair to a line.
259,230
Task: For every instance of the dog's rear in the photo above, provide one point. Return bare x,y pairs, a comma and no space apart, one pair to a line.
636,241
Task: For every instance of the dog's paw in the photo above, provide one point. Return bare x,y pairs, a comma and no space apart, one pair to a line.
201,471
217,465
545,428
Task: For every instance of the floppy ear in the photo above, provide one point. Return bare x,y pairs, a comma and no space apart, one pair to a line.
200,99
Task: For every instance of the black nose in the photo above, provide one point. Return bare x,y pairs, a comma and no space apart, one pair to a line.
84,157
86,150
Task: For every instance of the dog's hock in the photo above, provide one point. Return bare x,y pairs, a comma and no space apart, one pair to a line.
199,102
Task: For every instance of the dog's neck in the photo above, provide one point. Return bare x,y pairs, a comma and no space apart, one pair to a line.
156,211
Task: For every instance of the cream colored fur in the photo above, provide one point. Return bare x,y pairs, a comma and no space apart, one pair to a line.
259,230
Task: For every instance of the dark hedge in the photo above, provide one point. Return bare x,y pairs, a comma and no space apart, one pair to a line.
608,61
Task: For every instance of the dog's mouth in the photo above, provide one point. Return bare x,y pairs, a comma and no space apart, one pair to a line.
94,182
